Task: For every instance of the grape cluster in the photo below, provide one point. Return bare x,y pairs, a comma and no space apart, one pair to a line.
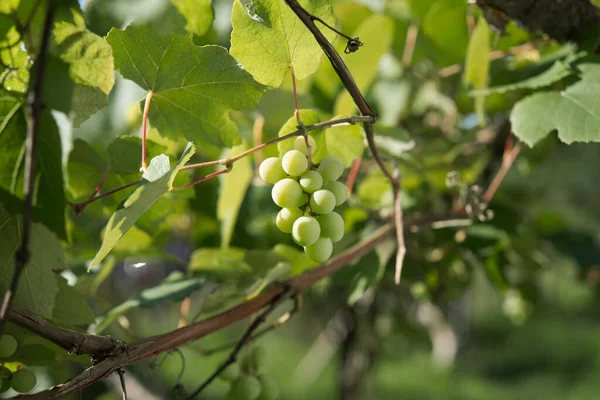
22,380
247,386
308,198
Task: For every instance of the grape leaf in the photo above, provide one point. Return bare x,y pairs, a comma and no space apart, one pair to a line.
193,87
232,192
37,287
445,25
345,142
376,33
477,65
199,15
156,182
268,38
91,65
221,263
574,112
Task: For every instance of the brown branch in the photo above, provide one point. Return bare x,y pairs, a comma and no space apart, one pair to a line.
35,106
508,159
79,207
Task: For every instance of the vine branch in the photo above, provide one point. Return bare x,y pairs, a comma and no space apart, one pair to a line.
35,107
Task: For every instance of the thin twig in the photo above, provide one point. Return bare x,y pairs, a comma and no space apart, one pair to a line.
232,358
204,178
35,106
508,158
353,174
409,46
79,207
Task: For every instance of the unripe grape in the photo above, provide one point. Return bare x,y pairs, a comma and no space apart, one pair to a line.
259,356
244,388
311,181
8,345
294,163
231,373
269,389
4,379
287,193
332,226
300,145
23,380
320,251
339,190
271,171
286,218
322,201
331,168
306,231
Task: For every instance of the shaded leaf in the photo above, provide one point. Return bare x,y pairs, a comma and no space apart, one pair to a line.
224,263
144,195
70,306
193,87
268,37
445,25
574,112
38,287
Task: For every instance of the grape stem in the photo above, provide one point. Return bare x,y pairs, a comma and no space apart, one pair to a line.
300,125
228,162
35,107
145,129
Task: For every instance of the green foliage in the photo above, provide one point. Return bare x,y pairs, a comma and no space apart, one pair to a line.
192,87
477,65
269,40
572,112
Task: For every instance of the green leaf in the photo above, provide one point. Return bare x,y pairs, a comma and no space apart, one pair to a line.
91,65
157,181
70,306
559,70
14,62
574,112
199,15
376,32
345,142
193,87
299,261
37,287
174,287
477,65
268,37
231,194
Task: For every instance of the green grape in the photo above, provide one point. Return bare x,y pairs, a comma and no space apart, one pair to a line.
300,145
320,251
8,346
231,373
4,379
311,181
259,356
306,231
244,388
287,193
322,201
331,168
286,218
294,163
269,389
271,171
332,226
23,380
339,190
